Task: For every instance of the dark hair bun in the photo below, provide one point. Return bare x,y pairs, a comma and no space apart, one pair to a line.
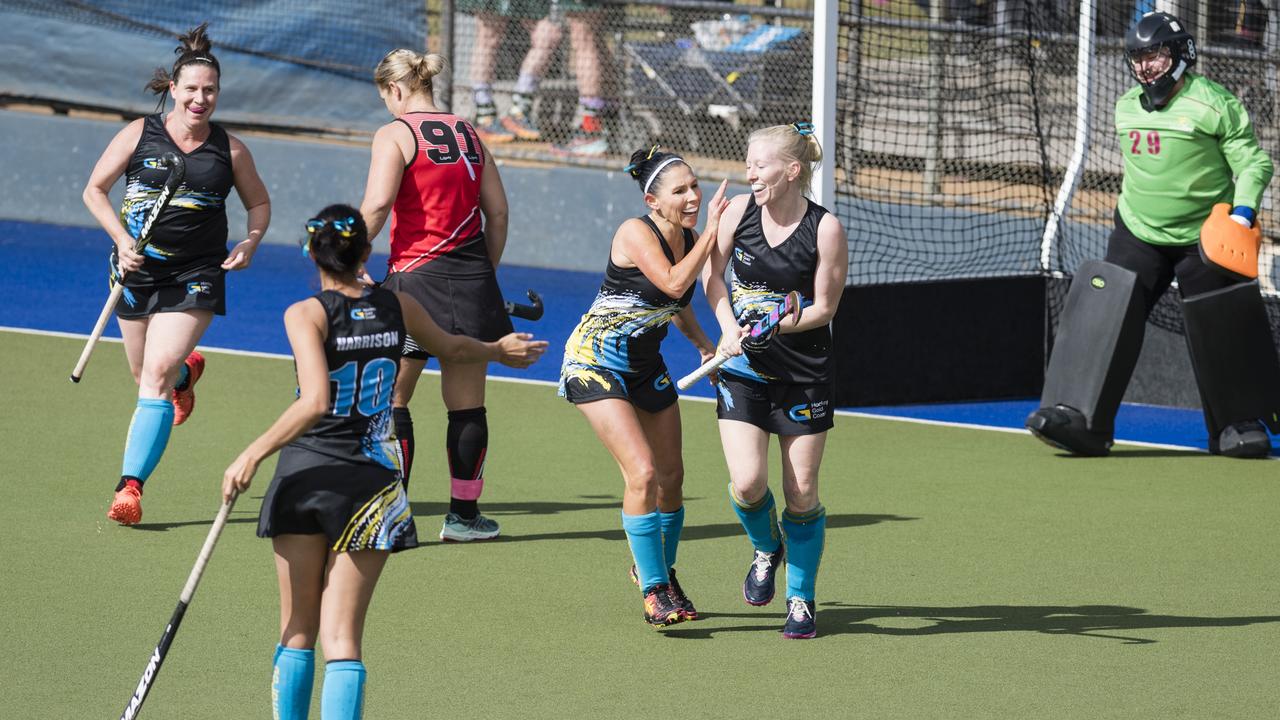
337,239
645,162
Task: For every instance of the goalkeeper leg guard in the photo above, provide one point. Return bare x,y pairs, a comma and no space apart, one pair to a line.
1236,368
1094,354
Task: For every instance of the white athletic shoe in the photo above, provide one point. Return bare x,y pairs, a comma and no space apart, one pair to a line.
458,529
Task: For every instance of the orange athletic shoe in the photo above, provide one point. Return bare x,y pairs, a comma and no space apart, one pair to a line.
185,400
126,508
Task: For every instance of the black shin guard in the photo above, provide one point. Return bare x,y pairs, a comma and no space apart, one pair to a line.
467,442
1094,354
1235,362
404,437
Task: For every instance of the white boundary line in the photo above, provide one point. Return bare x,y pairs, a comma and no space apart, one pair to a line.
550,383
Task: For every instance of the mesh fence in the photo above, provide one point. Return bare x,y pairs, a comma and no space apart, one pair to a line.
589,81
956,122
1231,39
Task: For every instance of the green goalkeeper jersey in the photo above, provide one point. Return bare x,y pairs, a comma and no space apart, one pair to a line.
1178,162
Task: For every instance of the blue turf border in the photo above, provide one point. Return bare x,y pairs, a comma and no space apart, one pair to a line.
54,278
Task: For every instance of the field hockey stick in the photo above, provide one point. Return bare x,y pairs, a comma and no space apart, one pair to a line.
526,312
790,305
166,639
177,171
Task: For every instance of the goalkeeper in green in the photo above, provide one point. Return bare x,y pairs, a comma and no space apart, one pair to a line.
1187,145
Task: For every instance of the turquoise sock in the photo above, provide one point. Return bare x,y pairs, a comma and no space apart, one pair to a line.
148,436
291,681
806,534
672,523
343,695
184,374
644,533
760,520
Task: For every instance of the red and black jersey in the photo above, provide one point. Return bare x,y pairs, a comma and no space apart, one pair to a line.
436,218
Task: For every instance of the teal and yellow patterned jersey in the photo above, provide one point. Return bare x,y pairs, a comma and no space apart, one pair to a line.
1178,162
628,320
192,230
761,276
363,354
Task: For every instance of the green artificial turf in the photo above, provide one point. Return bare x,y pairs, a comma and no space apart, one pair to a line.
967,573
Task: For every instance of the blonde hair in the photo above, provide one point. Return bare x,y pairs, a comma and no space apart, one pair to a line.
794,142
414,69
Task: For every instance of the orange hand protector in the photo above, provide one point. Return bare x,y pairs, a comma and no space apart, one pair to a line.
1228,246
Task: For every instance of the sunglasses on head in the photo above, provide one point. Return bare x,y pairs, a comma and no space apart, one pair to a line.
345,228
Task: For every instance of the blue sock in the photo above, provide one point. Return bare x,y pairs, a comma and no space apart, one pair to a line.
184,374
291,681
672,523
644,533
806,533
759,519
343,695
148,436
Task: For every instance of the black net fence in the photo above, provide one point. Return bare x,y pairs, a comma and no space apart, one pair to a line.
956,124
589,82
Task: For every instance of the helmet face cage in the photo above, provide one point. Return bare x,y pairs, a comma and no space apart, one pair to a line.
1154,31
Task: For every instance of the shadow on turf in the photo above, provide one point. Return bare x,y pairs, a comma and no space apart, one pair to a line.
161,527
690,532
603,502
1100,621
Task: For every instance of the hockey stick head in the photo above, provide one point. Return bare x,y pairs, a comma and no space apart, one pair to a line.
532,311
765,328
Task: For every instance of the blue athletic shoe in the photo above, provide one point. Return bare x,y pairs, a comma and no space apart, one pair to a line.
757,589
800,622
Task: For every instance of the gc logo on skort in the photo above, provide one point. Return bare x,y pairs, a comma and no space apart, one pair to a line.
662,383
200,287
363,313
804,412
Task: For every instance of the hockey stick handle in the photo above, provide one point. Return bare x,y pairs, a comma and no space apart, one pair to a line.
206,551
161,650
116,291
703,370
177,173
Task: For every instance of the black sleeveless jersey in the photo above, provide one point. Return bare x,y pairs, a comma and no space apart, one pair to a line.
628,320
192,230
761,277
363,353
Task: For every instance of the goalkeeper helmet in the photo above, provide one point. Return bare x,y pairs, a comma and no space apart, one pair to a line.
1162,33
